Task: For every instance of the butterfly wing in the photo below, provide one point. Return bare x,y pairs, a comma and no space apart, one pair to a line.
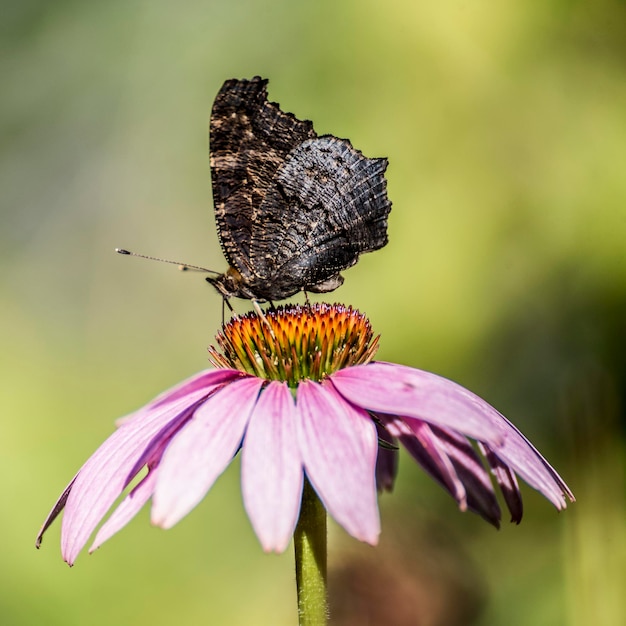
249,141
333,206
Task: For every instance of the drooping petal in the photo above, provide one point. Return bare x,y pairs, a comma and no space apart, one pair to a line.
111,468
386,461
467,467
401,390
127,509
271,468
202,450
338,444
520,455
59,505
507,481
417,436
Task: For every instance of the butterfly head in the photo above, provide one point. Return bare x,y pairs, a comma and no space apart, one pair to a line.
230,284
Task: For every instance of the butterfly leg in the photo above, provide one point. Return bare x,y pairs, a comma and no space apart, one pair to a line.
225,303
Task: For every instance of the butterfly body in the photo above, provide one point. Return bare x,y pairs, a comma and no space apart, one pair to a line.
292,209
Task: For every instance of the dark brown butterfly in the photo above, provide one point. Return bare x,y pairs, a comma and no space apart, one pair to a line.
292,209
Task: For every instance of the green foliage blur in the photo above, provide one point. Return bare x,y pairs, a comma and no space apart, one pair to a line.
505,127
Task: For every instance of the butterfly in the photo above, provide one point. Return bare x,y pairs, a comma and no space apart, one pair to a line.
293,209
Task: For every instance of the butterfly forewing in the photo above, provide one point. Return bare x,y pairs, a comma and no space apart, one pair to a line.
249,140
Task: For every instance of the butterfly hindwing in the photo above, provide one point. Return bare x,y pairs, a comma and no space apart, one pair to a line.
333,207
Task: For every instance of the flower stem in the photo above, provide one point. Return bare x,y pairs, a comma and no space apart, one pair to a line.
310,547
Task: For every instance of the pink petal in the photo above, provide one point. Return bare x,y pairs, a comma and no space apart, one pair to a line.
208,379
127,509
202,450
271,469
400,390
108,471
338,445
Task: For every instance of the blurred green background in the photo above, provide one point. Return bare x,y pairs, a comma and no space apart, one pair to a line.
505,127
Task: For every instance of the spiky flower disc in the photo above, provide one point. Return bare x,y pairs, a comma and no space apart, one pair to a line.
292,343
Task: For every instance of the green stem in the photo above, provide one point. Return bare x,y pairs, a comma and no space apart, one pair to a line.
310,546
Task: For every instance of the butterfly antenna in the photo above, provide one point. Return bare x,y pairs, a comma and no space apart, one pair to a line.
184,267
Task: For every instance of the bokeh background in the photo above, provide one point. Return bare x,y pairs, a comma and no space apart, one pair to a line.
505,126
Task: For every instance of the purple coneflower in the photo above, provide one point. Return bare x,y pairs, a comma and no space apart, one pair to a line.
297,391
